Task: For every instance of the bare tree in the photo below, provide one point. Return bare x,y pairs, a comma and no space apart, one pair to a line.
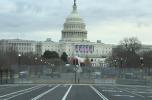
125,54
130,44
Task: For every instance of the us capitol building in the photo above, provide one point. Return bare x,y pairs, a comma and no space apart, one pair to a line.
73,41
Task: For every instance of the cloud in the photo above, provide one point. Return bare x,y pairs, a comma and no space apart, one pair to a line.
114,31
7,8
42,18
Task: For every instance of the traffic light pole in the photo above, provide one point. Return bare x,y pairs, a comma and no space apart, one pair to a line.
142,64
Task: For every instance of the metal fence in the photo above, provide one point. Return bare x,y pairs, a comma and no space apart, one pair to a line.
77,75
6,76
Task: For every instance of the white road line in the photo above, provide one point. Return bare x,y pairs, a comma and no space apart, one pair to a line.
144,92
44,93
111,91
24,92
100,94
66,94
18,91
124,96
131,92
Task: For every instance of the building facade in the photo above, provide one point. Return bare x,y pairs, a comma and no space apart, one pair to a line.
18,45
73,41
74,27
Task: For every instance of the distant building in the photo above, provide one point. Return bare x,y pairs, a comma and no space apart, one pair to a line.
74,28
49,45
73,41
18,45
146,48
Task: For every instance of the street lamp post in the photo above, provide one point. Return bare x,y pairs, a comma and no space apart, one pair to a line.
43,63
121,60
36,68
19,63
115,65
19,68
75,71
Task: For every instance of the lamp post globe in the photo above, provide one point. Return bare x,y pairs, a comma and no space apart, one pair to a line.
19,55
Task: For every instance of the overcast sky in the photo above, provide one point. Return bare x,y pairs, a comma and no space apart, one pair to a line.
106,20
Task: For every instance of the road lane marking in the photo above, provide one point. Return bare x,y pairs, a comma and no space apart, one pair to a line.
131,92
124,96
18,91
44,93
24,92
145,92
66,94
111,91
100,94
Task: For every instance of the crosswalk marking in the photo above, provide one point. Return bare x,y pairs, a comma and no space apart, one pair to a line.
66,94
44,93
100,94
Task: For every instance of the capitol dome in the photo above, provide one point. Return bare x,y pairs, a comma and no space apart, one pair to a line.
74,27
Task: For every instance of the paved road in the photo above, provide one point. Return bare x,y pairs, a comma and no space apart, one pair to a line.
74,92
